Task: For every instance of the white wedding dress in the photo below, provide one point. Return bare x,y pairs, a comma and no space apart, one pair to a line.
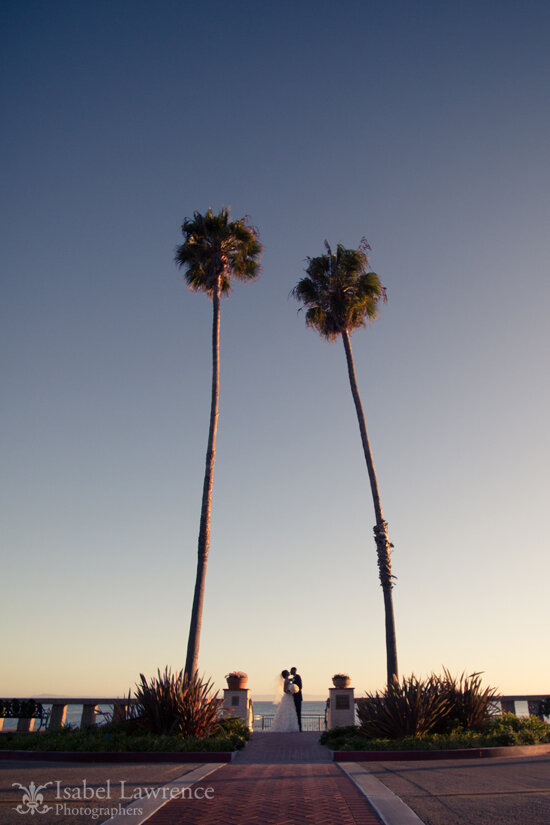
285,719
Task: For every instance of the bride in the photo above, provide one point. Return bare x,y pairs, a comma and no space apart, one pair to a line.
286,720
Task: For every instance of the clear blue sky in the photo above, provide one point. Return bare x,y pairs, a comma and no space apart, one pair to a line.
424,126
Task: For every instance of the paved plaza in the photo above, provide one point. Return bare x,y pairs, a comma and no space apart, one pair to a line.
289,779
316,794
504,791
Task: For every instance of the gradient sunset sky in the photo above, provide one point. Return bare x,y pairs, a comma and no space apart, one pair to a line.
423,126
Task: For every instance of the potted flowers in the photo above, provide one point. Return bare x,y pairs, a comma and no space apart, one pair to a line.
236,680
341,680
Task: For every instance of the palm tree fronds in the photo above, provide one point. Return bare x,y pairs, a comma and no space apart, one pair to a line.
216,249
340,291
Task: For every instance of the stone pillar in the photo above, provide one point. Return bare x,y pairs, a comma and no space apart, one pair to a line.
120,710
341,707
521,708
238,703
25,725
88,715
58,716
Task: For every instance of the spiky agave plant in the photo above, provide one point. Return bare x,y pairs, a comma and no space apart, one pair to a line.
412,707
177,703
472,704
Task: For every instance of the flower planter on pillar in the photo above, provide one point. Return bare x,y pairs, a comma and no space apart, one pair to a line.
236,680
341,681
236,683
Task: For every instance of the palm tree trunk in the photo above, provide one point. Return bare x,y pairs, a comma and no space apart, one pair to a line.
192,660
383,544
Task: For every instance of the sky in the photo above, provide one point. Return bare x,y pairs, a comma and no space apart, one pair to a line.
422,126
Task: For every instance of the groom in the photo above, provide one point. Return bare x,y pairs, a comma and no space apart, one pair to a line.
297,680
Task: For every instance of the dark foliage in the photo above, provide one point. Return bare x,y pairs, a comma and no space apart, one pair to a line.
437,704
410,708
177,703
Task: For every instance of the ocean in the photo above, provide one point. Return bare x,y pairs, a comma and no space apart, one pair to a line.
308,708
313,715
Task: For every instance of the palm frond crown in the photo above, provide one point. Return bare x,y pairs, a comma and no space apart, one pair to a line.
339,291
215,249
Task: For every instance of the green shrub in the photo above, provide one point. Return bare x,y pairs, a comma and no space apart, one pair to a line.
509,729
104,740
336,737
235,729
497,732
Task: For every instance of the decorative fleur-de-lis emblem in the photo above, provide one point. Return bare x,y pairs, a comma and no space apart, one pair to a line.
32,798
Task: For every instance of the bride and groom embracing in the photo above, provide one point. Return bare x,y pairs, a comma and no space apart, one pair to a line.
288,718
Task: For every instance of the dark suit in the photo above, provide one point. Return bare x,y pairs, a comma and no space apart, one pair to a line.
297,679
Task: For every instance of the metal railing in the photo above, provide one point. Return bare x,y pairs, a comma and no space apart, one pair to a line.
55,712
310,722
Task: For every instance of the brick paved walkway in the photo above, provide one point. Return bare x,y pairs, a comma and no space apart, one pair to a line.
280,794
269,748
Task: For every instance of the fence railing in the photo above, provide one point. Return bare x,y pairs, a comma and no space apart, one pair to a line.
55,716
56,711
310,722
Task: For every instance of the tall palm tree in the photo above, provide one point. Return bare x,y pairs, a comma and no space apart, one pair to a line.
340,294
214,250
